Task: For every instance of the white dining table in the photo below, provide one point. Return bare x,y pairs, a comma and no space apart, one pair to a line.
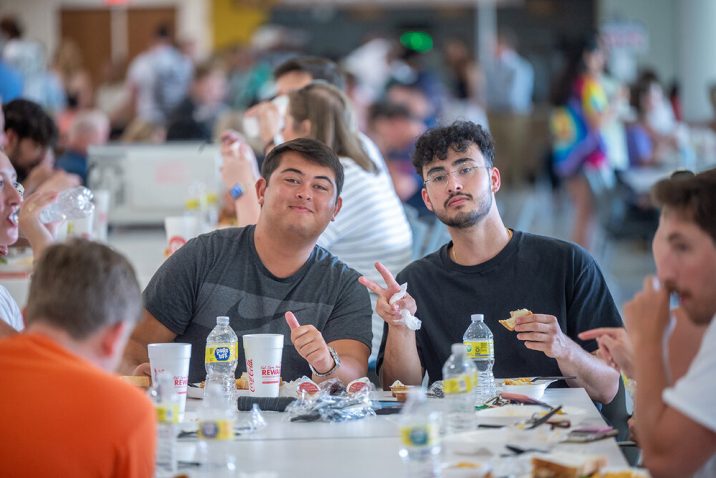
369,447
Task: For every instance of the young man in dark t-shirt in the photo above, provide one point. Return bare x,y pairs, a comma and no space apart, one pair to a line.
260,276
490,269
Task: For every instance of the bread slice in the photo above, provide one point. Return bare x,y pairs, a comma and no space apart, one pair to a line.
566,465
509,324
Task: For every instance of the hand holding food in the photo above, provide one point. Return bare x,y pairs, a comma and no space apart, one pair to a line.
509,324
540,332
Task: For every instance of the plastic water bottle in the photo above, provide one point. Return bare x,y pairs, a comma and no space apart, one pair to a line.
221,357
420,436
166,403
480,348
216,434
74,203
459,380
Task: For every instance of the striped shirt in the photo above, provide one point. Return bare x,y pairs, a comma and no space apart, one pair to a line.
371,226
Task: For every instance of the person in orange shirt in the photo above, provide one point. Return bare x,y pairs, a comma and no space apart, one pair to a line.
63,414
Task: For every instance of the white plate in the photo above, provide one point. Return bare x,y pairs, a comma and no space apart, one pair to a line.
533,389
491,442
523,411
194,391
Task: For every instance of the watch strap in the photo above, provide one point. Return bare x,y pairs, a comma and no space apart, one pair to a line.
336,364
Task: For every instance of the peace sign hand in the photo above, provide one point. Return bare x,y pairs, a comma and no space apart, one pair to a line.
390,313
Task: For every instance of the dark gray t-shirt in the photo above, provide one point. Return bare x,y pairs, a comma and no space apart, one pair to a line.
220,273
544,275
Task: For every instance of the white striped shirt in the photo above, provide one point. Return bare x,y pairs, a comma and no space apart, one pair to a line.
371,226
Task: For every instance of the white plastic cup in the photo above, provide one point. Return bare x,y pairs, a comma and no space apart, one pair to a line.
263,363
179,230
101,214
173,358
82,227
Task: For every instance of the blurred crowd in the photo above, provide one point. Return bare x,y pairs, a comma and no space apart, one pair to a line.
594,126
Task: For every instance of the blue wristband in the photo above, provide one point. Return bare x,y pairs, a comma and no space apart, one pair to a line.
236,191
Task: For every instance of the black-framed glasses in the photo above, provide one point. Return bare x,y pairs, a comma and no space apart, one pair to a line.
439,179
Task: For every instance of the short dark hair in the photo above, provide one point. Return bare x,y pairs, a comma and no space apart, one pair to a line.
82,286
692,195
435,143
28,120
319,69
389,110
312,150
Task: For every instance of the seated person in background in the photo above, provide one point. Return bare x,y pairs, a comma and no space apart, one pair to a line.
394,130
490,269
38,235
647,145
196,115
260,275
676,409
294,74
69,416
88,128
29,135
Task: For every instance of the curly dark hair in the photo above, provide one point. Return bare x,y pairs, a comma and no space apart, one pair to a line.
693,195
435,142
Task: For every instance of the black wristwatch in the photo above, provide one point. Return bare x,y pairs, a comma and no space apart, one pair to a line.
335,367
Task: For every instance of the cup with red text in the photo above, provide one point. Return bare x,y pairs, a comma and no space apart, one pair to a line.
263,363
173,358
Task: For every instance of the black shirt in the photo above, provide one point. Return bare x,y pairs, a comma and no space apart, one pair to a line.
544,275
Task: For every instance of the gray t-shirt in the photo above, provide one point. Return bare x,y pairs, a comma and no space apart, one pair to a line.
220,273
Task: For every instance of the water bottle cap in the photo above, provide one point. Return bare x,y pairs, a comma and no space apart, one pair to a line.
477,317
458,349
222,320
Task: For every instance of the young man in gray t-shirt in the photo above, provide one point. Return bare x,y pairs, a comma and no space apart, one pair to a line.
270,278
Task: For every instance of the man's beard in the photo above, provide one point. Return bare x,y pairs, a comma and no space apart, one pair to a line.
464,220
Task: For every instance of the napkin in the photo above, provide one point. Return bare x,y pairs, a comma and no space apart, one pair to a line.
406,318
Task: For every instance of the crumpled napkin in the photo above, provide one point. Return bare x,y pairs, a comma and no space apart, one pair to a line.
406,318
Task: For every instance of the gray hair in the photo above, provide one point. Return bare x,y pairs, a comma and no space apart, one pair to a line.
83,286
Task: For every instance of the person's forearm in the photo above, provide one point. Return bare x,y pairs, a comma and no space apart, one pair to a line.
599,379
247,208
39,238
401,360
351,368
134,355
651,382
